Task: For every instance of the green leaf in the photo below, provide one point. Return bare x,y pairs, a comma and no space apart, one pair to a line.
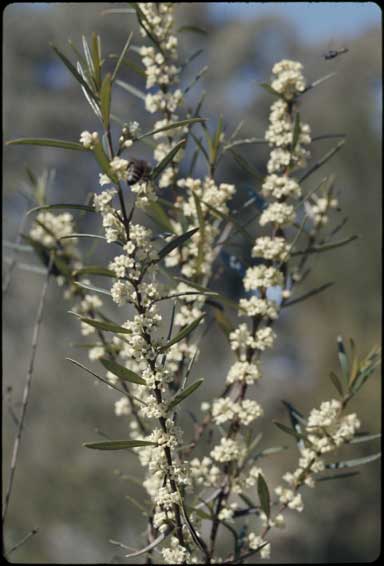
47,142
338,476
118,444
132,89
269,89
78,364
354,462
322,161
224,322
75,73
103,161
178,124
336,382
200,250
364,438
182,334
263,492
184,394
82,207
96,58
193,29
95,270
167,159
122,372
83,235
105,100
288,430
200,146
122,55
217,139
230,219
296,132
157,213
319,81
247,167
103,325
343,359
89,60
93,288
176,243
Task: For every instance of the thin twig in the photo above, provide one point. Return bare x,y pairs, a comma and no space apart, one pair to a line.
27,388
8,276
21,542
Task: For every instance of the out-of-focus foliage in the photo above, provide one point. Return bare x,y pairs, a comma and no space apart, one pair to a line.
76,498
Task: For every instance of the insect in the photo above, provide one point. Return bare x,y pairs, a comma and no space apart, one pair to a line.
138,170
332,53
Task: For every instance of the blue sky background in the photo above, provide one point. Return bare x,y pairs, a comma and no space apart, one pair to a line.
314,21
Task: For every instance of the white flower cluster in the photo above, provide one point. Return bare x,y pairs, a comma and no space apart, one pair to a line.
48,228
88,139
289,80
175,553
286,150
161,72
246,411
318,209
263,277
241,340
326,430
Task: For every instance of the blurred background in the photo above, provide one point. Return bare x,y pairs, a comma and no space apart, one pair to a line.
75,497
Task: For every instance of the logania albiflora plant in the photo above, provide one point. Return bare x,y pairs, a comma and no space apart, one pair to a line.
149,358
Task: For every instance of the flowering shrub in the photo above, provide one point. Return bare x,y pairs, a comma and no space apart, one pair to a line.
194,498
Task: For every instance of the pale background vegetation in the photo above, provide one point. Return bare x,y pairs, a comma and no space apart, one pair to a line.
75,497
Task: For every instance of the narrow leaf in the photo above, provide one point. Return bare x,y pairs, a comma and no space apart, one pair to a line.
121,372
353,463
102,325
336,382
243,164
95,270
69,206
178,124
322,161
338,476
118,444
105,100
343,359
176,243
185,393
269,89
167,159
157,213
93,288
122,55
74,72
132,89
296,132
106,382
263,492
288,430
182,334
47,142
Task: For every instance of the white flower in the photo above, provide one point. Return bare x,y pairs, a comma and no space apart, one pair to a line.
89,140
278,213
122,407
244,372
280,186
228,450
262,276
